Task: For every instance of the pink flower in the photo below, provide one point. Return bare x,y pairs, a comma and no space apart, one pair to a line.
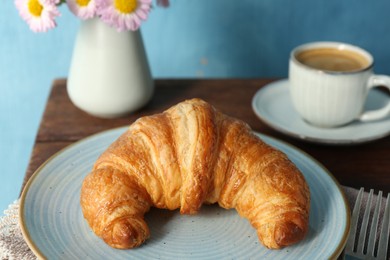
123,14
39,14
84,9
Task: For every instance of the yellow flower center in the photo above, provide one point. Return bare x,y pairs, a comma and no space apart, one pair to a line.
82,2
126,6
35,7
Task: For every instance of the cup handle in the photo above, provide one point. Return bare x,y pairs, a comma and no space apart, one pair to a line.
376,81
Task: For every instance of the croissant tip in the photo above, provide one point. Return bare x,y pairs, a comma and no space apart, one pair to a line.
126,233
289,233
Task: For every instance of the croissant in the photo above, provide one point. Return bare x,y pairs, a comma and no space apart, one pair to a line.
186,156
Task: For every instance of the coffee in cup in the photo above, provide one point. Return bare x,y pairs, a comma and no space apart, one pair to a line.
329,83
332,59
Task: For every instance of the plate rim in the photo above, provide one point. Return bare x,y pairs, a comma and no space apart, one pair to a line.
40,254
304,137
25,232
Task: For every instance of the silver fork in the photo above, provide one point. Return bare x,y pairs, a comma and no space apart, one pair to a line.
360,252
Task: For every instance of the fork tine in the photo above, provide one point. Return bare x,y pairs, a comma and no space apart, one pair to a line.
384,237
354,221
374,226
363,229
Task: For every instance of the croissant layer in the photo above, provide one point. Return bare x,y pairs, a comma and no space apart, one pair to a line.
186,156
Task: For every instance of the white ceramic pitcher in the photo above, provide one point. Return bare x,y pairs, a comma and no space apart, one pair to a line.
109,74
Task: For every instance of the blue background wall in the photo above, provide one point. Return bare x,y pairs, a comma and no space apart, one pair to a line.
192,38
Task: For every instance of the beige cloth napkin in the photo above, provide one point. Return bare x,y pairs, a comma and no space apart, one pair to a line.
13,246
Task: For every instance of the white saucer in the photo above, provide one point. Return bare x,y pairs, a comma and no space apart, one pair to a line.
273,106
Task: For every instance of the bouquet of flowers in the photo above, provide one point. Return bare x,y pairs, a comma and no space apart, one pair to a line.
124,15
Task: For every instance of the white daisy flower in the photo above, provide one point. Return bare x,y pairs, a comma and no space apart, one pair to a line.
84,9
39,14
123,14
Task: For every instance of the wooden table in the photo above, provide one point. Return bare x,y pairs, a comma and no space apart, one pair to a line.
365,165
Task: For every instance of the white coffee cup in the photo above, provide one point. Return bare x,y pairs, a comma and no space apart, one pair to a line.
330,81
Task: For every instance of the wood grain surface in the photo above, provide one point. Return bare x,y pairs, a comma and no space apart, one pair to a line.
360,165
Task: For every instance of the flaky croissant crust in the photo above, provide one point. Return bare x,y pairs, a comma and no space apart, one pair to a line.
186,156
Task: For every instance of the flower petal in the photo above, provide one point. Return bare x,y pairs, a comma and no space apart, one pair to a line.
42,21
141,14
123,21
82,11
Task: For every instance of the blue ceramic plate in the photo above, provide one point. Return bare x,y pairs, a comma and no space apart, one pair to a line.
53,225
